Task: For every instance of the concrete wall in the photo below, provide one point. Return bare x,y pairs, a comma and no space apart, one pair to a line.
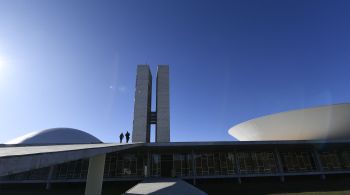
142,105
163,112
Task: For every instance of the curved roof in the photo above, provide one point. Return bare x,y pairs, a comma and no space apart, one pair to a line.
56,136
319,123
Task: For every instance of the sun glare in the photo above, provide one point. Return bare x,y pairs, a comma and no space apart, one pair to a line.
3,63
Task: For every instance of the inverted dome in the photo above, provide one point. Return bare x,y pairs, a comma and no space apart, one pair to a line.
319,123
56,136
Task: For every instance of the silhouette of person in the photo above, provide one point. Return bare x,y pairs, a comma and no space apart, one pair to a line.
127,136
121,136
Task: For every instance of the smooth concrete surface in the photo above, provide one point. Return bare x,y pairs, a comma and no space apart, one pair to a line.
162,104
94,179
142,105
16,159
56,136
318,123
163,186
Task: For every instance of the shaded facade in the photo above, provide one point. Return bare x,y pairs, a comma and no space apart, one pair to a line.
205,160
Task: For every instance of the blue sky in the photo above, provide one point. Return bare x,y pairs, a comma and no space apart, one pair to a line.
73,63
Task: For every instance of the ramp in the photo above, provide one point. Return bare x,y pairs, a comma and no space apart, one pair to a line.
20,158
168,186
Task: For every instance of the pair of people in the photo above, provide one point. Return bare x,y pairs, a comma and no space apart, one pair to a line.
127,137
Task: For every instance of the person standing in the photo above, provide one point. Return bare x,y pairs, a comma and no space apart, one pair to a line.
127,136
121,136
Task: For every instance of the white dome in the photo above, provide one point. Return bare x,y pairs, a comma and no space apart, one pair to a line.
56,136
318,123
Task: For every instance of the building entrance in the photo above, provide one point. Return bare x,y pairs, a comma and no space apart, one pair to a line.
166,165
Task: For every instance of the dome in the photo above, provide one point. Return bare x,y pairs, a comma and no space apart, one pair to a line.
56,136
318,123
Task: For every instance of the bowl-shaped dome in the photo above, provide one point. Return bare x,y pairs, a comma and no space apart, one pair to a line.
56,136
319,123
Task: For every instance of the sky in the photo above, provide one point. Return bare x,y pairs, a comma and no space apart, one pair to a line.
73,63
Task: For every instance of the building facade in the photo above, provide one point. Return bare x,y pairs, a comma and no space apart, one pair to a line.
205,160
48,157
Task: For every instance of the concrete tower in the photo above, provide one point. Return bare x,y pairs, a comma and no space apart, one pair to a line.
163,114
143,116
142,105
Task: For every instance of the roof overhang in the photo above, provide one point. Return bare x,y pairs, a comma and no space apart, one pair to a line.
16,159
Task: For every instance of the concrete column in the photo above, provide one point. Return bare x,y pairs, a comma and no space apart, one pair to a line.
237,168
149,164
318,163
49,177
94,179
162,104
142,105
279,164
193,168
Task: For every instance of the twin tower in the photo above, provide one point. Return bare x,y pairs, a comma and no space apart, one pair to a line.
143,114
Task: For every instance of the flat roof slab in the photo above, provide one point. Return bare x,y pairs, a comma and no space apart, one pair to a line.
20,150
15,159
